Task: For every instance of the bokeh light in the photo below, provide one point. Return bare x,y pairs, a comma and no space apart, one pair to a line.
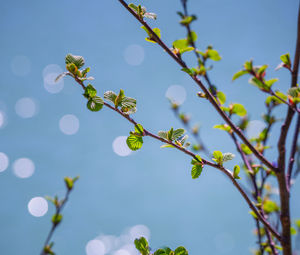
50,73
4,161
254,128
95,247
122,252
23,167
21,65
120,146
26,107
176,94
134,55
2,119
38,206
69,124
139,231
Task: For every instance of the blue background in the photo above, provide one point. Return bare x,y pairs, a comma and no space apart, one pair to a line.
153,186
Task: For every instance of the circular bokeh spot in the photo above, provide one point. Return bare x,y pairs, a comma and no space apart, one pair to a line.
50,73
2,119
21,65
139,231
26,107
120,146
69,124
23,167
4,161
254,128
95,247
38,206
176,94
134,55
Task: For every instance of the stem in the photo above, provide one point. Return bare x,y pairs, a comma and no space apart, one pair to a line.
205,162
293,152
204,89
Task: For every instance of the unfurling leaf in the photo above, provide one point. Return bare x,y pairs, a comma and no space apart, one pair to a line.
56,219
239,74
180,251
196,171
110,96
90,91
218,157
236,171
150,37
142,245
78,61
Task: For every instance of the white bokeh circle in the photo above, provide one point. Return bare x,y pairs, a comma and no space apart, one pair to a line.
4,161
23,167
2,119
38,206
120,147
21,65
95,247
134,55
176,94
26,107
69,124
138,231
50,73
122,252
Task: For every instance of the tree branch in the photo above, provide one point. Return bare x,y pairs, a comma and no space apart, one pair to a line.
204,89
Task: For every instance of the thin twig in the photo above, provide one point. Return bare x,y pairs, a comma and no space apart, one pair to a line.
204,89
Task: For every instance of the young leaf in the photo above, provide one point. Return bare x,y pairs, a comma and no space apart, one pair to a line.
163,134
189,71
239,110
134,142
218,157
56,219
62,75
236,171
239,74
150,15
286,60
224,127
196,171
222,97
76,60
150,37
270,82
213,55
128,102
248,65
177,133
187,20
181,251
198,161
192,37
166,145
95,104
142,246
90,91
270,206
110,96
139,129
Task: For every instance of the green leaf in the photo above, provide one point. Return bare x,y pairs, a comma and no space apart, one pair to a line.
239,74
258,83
177,133
253,214
228,156
150,37
198,161
270,206
236,171
246,149
189,71
134,142
248,65
160,252
294,92
95,104
187,20
69,183
270,82
139,129
119,98
213,55
90,91
297,222
293,231
134,7
192,37
262,69
218,157
239,110
196,171
128,102
166,145
110,96
76,60
163,134
182,46
85,71
56,219
285,58
222,97
181,251
224,127
142,246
